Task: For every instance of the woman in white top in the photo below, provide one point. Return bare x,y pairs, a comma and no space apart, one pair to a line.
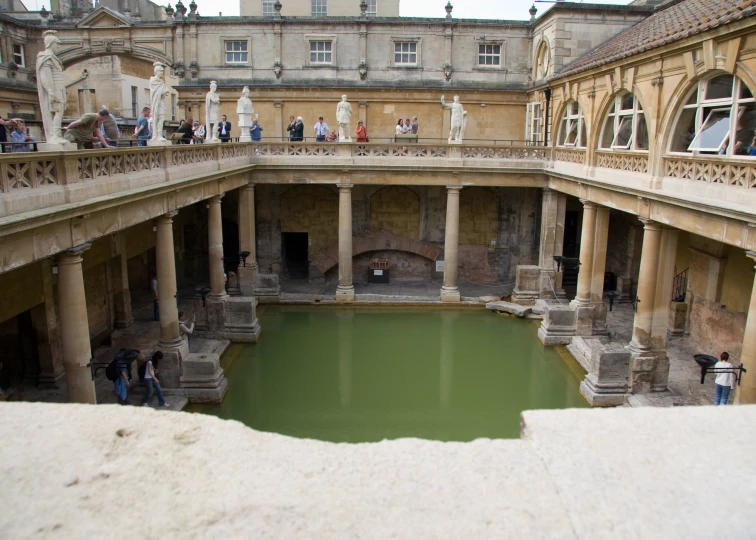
399,127
152,382
724,381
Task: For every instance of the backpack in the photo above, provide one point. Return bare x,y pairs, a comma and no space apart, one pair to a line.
112,371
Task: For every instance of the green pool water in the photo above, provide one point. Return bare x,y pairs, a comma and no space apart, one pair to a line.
367,374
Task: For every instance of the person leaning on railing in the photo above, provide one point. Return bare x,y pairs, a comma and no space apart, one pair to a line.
86,130
20,140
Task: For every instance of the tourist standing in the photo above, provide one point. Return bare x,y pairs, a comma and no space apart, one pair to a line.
122,383
332,136
3,133
292,127
186,329
110,129
399,127
20,139
151,381
224,130
142,130
414,126
255,131
299,129
154,289
185,128
361,132
724,381
321,130
199,132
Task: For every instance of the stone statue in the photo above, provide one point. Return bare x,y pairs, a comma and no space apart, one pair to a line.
343,116
158,91
212,108
244,109
52,94
458,120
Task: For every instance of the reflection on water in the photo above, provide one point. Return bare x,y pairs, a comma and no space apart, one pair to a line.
357,375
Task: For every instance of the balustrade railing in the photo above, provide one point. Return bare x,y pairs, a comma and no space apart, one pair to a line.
570,155
712,170
623,161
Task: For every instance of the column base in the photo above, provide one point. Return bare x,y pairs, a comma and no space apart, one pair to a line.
558,326
50,380
345,293
81,388
245,138
450,294
203,380
606,383
247,276
174,353
159,142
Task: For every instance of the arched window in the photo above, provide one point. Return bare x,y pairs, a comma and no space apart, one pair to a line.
572,127
718,111
625,126
542,60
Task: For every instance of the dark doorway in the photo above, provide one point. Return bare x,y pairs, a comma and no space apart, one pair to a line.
230,245
571,219
294,248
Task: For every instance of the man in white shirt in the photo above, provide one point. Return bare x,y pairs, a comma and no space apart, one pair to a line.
186,329
321,130
724,381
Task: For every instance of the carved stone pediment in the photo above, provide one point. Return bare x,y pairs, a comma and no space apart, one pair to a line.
104,18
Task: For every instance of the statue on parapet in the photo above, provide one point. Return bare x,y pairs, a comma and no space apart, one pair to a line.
158,91
343,117
52,94
244,109
212,110
458,120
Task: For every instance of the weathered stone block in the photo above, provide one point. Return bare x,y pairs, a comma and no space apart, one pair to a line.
526,291
558,325
606,384
267,285
203,380
508,307
678,316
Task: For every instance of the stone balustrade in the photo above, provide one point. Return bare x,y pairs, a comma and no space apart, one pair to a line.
636,162
712,170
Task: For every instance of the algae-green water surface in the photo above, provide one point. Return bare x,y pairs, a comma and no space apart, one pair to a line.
367,374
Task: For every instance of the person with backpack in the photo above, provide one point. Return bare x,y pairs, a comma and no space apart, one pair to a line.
148,371
117,371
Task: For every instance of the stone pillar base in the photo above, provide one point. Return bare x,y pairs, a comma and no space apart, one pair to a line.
64,146
203,380
558,326
159,142
245,137
345,293
232,318
50,380
526,289
267,288
606,383
247,276
450,294
642,371
550,285
678,316
174,354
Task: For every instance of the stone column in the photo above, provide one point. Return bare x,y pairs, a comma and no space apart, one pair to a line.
552,242
746,392
247,239
644,313
121,292
450,290
598,267
215,248
47,327
74,326
345,290
586,254
173,347
665,276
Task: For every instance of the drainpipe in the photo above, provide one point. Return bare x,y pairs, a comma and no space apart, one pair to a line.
547,93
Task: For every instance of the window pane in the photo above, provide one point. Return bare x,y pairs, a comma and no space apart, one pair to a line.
685,131
745,93
571,133
496,60
327,45
627,102
583,136
481,49
481,60
413,47
744,130
713,132
641,133
397,47
497,49
624,133
562,133
720,87
229,57
693,98
398,58
607,136
313,46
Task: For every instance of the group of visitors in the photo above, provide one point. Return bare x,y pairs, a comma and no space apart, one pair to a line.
407,126
322,132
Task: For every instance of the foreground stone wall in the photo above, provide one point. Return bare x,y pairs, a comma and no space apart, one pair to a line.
622,473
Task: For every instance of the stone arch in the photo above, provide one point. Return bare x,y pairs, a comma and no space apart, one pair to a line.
603,110
478,216
74,55
395,209
311,209
543,44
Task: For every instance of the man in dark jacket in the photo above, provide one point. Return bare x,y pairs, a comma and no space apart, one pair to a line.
224,129
299,130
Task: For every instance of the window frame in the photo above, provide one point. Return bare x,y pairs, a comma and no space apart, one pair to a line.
315,38
322,4
21,54
533,123
618,116
226,52
374,11
542,73
417,41
565,123
271,4
703,108
490,43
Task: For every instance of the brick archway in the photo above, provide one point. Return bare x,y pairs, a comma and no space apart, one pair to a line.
327,258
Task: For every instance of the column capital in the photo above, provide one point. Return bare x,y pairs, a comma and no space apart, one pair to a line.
248,187
588,204
345,187
650,224
73,255
167,218
454,188
216,199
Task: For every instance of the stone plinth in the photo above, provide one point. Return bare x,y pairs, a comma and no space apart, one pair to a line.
231,318
678,317
606,383
203,380
643,367
171,364
527,279
267,288
558,326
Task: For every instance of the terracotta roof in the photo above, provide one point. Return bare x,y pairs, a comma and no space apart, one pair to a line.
678,21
